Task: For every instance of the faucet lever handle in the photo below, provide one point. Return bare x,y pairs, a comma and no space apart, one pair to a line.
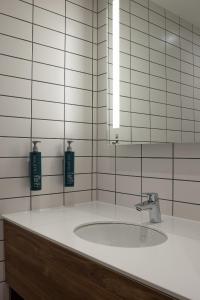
152,197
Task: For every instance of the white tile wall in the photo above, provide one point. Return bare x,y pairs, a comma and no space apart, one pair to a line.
171,170
51,94
47,92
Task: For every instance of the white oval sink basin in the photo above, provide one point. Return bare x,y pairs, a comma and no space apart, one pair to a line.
120,234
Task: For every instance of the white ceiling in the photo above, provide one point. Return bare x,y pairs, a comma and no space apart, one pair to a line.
187,9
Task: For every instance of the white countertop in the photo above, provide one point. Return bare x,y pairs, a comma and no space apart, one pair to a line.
173,267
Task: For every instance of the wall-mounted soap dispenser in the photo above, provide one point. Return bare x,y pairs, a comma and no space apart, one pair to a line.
36,168
69,166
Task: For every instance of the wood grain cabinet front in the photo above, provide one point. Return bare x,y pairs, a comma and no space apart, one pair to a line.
38,269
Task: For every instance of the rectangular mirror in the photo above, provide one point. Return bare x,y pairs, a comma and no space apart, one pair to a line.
153,72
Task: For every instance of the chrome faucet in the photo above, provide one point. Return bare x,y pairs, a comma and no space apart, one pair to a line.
152,204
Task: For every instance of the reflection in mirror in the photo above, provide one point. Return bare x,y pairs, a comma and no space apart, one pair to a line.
159,84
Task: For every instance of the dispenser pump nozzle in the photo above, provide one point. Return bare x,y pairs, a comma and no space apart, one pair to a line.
69,148
35,148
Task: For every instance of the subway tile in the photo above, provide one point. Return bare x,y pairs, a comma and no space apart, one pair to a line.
156,19
79,30
47,110
48,37
105,149
47,201
159,168
139,65
139,120
157,32
140,78
173,99
78,63
15,127
188,211
162,186
157,83
158,109
50,185
15,87
52,166
186,56
78,13
140,106
78,46
83,165
48,55
157,44
49,20
187,169
128,166
127,200
173,17
47,129
17,9
78,113
139,51
188,137
187,151
157,96
105,196
15,107
15,47
157,70
78,80
78,131
89,4
14,147
20,188
142,2
157,151
73,198
157,57
105,181
51,147
15,28
166,207
139,10
158,135
15,67
78,96
128,185
140,135
174,136
14,167
156,8
139,37
172,27
129,151
186,191
173,50
48,74
57,7
48,91
124,18
106,165
82,182
139,24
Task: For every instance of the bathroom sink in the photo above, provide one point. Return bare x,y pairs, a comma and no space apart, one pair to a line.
120,234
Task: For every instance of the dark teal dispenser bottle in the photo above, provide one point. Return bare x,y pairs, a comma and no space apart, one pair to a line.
69,166
36,168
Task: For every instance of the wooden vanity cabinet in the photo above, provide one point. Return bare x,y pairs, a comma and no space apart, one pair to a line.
38,269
